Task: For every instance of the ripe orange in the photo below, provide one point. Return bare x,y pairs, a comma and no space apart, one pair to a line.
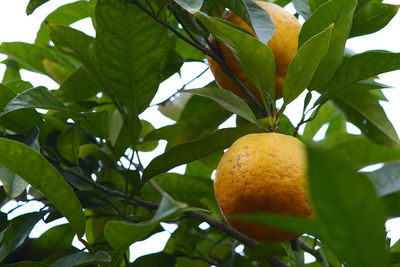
263,173
283,45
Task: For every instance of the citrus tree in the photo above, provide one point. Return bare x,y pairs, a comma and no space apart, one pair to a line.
77,148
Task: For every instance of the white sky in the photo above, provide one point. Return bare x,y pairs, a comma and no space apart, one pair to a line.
16,26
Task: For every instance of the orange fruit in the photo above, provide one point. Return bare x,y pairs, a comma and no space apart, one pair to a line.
263,173
283,45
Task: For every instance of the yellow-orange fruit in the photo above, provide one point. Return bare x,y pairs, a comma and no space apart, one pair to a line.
263,173
283,45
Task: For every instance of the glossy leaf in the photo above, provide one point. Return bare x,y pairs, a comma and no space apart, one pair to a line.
362,66
261,21
33,168
302,7
372,17
82,259
131,51
366,113
190,151
33,4
227,100
256,17
339,13
64,15
39,97
16,232
339,193
254,57
357,150
305,63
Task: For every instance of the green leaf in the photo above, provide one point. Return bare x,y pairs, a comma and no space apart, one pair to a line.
387,178
55,71
33,168
191,151
344,200
191,6
147,128
68,144
77,87
357,150
19,86
64,15
13,184
12,72
29,56
362,66
339,13
305,63
39,97
296,258
302,8
227,100
16,232
363,86
261,21
33,4
363,110
255,16
168,206
173,109
72,42
372,17
82,259
254,57
132,49
56,239
120,235
203,122
160,259
194,190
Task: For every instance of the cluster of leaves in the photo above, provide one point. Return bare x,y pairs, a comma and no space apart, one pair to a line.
76,149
